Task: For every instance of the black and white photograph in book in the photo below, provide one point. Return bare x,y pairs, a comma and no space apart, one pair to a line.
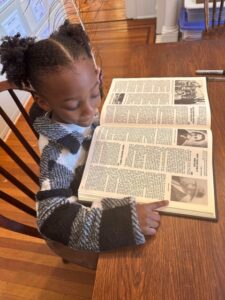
118,98
188,92
185,189
192,138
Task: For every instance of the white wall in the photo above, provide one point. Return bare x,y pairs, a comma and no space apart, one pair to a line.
165,11
38,19
140,9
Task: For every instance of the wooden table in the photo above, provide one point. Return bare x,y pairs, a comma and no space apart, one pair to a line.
186,259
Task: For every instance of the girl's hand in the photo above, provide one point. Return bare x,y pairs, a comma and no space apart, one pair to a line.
149,219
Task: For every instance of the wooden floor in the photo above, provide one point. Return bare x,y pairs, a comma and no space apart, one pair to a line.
29,270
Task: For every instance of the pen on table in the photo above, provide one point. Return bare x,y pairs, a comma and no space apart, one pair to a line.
215,78
210,72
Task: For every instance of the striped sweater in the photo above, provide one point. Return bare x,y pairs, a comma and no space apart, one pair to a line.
102,225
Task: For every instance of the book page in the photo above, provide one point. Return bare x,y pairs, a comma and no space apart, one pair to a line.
162,101
151,164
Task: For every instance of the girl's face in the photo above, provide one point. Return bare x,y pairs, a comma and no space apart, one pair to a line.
72,93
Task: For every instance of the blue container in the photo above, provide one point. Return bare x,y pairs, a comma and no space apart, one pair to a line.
186,25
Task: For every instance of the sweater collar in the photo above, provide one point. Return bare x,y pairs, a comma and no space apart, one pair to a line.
70,136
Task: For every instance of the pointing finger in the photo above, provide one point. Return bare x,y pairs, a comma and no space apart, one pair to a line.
159,204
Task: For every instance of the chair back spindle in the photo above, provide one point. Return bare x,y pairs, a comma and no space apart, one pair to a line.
18,170
17,183
214,24
22,110
19,136
83,258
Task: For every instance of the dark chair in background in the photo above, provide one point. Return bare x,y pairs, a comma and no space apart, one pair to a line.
26,203
214,23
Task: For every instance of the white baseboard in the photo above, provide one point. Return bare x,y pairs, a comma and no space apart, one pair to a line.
146,17
166,38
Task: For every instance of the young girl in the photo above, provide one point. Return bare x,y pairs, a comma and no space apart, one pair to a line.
61,72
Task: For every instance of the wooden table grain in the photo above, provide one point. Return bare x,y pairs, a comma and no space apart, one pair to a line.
186,259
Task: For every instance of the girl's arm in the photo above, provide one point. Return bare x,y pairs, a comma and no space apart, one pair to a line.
105,225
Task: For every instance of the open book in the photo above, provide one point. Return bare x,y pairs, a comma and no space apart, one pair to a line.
154,143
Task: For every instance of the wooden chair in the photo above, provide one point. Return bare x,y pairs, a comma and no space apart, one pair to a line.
214,25
26,202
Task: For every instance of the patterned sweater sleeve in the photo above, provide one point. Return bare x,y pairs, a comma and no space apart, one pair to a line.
106,224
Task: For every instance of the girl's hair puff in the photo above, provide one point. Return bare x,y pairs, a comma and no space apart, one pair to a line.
13,52
26,61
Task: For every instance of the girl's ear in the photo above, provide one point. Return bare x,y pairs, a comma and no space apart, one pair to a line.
98,71
41,102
